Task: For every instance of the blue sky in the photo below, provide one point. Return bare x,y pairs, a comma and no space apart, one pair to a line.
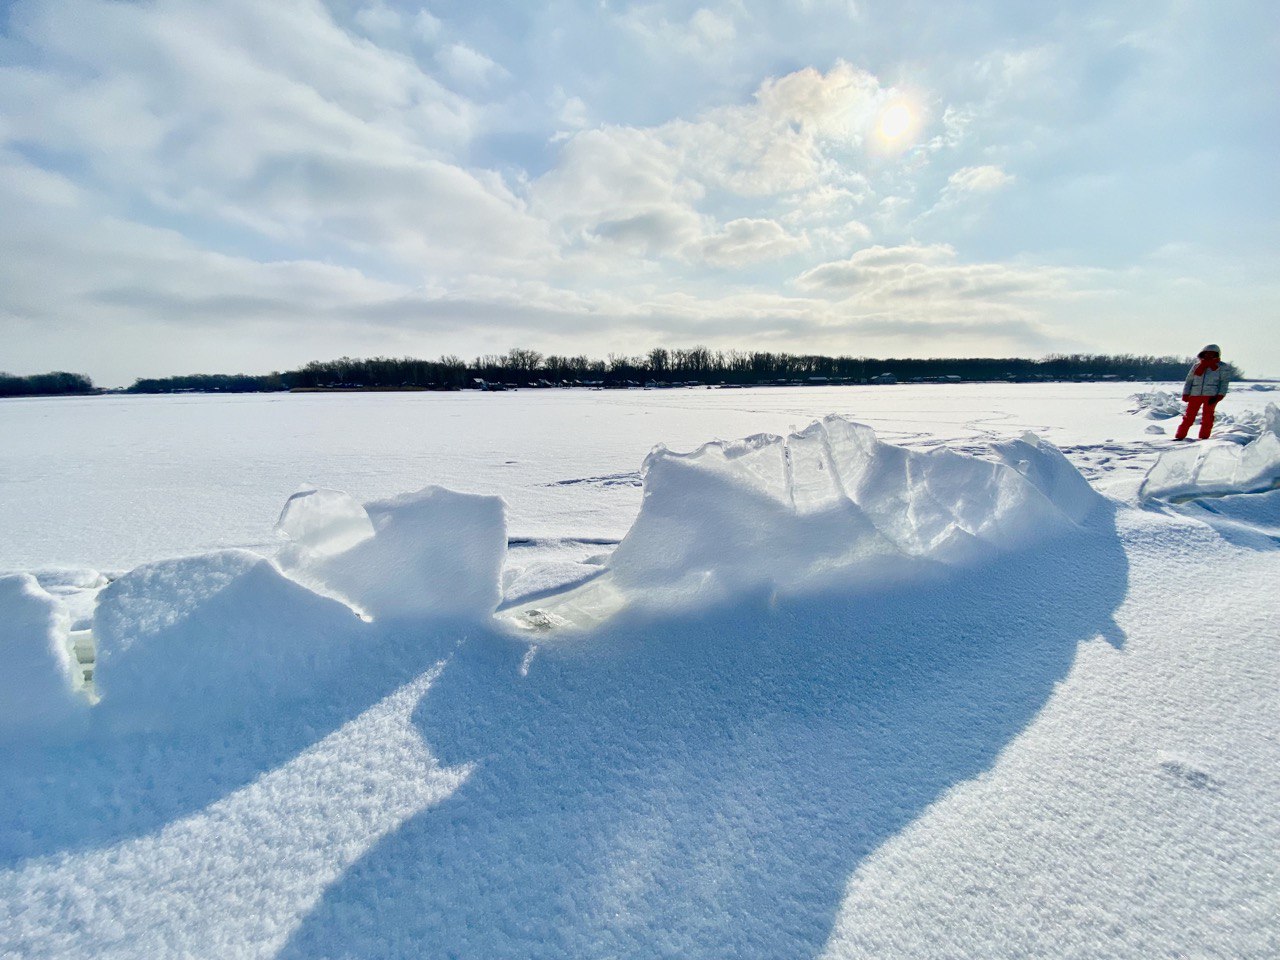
192,185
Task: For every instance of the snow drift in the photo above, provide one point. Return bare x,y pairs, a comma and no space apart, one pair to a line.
1200,469
179,639
39,680
831,500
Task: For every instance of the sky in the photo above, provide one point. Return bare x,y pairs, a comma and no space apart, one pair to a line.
244,186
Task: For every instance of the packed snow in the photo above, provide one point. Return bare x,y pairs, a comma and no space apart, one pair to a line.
842,690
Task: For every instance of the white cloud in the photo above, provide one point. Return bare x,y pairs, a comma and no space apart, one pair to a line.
792,145
379,20
983,179
324,166
426,26
930,280
467,66
707,34
206,110
746,241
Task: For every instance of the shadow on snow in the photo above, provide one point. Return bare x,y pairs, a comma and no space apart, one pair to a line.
703,786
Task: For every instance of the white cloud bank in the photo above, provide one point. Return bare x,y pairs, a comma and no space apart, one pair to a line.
269,183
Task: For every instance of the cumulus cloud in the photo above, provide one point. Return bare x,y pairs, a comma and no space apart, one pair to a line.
891,279
745,241
200,110
981,179
364,175
788,146
467,66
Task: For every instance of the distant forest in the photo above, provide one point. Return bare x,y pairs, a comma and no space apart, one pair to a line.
45,385
666,367
659,367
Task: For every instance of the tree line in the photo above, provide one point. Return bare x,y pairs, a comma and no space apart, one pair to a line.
662,366
58,383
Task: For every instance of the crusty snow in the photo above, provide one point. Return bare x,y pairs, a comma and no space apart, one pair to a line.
972,671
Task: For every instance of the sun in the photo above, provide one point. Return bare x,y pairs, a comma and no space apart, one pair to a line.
895,122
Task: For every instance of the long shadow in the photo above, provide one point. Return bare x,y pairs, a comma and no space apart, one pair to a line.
121,779
704,787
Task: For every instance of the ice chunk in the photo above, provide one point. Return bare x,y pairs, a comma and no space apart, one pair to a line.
1045,468
69,579
179,638
1157,404
1212,468
1155,428
831,499
431,553
39,677
323,522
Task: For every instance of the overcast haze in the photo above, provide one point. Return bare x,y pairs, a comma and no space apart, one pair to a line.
246,186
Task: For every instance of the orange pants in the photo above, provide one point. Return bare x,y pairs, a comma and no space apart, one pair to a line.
1194,406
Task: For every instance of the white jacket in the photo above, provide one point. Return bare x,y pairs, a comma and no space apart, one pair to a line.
1211,383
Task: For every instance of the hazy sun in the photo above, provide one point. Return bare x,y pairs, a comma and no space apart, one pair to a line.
895,122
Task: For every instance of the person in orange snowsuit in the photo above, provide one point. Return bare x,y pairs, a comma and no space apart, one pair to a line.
1206,384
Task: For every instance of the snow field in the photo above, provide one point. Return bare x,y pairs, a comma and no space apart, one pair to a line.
830,696
114,482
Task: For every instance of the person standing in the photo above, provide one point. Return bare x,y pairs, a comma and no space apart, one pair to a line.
1206,384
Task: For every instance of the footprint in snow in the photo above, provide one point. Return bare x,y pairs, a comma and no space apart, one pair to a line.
1186,774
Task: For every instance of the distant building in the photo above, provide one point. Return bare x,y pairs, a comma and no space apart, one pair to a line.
883,378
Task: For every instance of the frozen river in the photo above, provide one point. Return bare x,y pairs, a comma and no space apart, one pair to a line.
830,697
113,481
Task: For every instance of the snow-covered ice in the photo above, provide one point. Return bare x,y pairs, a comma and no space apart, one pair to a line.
939,688
829,501
112,482
1202,468
1157,404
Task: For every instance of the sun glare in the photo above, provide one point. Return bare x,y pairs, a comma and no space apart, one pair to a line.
895,122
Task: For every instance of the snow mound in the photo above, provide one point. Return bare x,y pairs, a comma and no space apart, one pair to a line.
430,553
833,499
180,638
40,678
1157,405
1199,469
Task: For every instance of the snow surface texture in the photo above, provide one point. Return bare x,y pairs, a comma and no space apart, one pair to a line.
1042,741
1199,469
